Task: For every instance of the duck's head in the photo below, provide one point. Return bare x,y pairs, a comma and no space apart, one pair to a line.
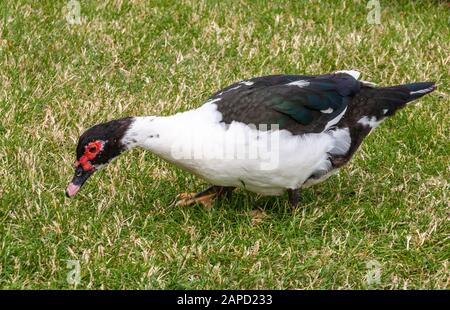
96,147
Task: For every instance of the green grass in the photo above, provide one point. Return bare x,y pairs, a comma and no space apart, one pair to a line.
56,79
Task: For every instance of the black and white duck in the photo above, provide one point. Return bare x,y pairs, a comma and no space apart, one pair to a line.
269,135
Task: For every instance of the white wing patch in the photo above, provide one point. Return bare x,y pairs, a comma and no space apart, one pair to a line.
335,120
370,84
299,83
247,83
327,111
353,73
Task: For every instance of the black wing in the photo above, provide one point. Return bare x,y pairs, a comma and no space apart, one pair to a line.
300,104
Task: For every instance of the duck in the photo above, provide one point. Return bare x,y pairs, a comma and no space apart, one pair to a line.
269,135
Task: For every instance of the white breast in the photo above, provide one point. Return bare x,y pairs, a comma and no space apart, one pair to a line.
262,161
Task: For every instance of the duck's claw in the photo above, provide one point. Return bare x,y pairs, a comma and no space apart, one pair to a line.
183,196
205,198
189,199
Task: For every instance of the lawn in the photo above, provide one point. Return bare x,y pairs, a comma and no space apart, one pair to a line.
385,214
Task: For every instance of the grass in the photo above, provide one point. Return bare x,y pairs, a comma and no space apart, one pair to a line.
390,205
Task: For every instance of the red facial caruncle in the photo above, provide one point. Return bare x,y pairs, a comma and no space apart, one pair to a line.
90,152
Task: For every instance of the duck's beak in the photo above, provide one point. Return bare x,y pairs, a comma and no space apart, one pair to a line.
78,180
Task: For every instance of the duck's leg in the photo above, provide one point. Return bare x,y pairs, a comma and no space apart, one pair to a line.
294,197
205,197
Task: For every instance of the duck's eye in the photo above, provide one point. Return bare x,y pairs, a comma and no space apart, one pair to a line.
92,149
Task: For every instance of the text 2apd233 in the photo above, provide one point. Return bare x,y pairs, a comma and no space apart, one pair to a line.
246,299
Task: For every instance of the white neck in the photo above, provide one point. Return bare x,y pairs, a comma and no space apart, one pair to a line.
160,134
146,132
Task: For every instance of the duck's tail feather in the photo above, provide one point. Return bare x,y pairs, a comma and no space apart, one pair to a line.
417,90
396,97
407,92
